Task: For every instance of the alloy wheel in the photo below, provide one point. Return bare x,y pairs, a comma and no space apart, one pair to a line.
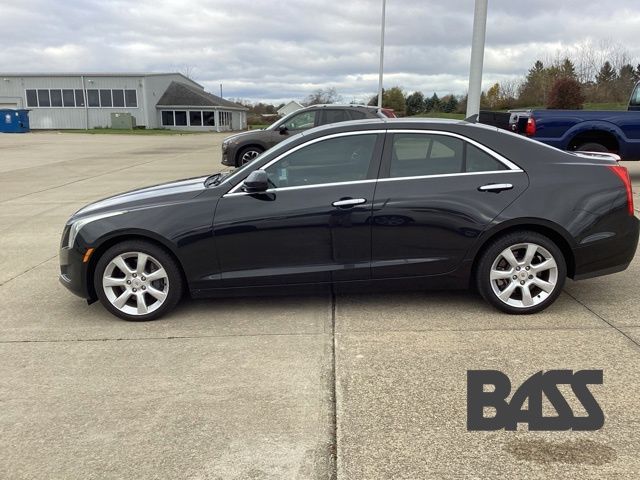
135,283
248,156
524,275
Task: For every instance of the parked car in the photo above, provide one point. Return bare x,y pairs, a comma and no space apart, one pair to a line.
243,147
368,204
581,130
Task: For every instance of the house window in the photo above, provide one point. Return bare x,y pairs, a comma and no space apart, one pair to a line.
68,99
195,119
79,98
167,118
93,98
130,99
118,98
56,98
180,118
225,119
43,98
105,98
32,98
208,119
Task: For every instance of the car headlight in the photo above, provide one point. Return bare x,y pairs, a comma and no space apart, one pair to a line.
78,224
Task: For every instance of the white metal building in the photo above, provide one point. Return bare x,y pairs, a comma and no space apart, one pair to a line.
86,100
289,108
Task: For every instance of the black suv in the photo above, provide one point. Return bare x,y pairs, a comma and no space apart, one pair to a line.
244,147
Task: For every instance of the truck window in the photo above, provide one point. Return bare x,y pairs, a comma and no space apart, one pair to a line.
635,96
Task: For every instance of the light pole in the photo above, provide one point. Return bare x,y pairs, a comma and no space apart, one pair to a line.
477,57
384,9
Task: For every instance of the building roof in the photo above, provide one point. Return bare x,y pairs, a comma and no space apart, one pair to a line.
93,74
298,104
183,95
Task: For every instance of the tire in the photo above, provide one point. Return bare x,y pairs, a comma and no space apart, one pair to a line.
129,294
496,271
247,154
592,147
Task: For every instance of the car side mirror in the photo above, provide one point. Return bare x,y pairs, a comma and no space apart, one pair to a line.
257,181
283,129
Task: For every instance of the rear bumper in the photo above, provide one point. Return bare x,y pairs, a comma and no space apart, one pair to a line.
607,256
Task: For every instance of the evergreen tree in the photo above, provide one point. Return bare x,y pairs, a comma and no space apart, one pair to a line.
606,75
415,103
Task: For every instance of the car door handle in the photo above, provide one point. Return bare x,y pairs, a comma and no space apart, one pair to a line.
348,202
495,187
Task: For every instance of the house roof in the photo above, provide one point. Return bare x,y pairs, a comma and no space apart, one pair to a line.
183,95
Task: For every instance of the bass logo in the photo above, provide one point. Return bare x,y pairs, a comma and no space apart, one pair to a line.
508,414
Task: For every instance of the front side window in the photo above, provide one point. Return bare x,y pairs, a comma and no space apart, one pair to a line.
340,159
418,154
302,121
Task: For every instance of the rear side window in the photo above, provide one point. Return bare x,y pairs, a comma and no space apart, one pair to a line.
416,154
479,161
356,115
335,116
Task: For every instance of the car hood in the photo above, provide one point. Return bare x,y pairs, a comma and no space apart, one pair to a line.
246,135
148,196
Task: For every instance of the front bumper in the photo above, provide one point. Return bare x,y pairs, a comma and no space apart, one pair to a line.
73,272
228,156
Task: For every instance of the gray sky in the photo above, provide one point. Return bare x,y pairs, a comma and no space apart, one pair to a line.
275,50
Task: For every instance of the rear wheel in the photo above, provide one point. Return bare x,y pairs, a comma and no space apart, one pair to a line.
592,147
521,273
137,281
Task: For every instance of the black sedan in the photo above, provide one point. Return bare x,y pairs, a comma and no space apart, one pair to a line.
362,205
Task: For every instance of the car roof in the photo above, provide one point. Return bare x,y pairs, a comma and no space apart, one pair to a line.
393,123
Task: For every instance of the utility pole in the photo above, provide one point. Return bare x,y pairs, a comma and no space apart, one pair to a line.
384,11
221,91
477,57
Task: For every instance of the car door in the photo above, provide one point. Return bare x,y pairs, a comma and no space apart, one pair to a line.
437,192
312,225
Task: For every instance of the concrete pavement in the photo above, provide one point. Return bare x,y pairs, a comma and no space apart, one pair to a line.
244,388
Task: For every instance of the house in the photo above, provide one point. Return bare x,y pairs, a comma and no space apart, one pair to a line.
289,108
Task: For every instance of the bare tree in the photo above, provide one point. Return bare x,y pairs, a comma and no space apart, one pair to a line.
323,96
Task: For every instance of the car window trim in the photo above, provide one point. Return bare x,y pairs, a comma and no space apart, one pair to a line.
295,149
386,161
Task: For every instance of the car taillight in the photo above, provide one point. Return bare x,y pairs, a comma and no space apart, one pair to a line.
531,127
623,174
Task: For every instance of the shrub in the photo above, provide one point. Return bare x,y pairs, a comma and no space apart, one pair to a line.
566,94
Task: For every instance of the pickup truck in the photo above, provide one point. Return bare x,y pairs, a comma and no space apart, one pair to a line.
581,130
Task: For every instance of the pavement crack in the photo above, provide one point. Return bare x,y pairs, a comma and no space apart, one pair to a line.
27,271
631,339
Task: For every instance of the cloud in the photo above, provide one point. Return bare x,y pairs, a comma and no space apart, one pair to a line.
270,50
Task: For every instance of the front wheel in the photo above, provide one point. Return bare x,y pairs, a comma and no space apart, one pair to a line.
248,154
521,273
137,281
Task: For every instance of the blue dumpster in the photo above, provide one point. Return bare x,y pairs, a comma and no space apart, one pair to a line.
14,121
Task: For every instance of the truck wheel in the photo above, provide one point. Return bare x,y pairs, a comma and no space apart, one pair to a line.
592,147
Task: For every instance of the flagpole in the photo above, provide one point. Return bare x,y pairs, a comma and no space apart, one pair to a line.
382,28
477,57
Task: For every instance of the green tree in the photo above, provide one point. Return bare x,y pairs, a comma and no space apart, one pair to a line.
433,104
625,82
568,69
493,96
606,75
394,99
449,104
415,103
